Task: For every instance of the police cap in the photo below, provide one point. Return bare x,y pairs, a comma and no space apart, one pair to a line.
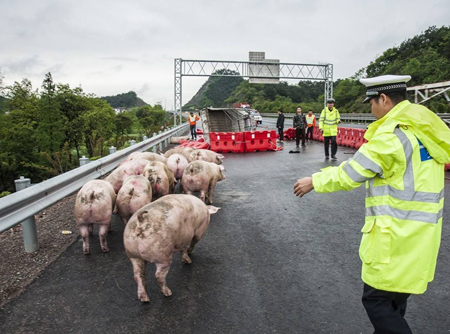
384,84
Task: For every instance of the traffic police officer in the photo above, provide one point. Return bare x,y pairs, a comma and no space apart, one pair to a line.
328,121
403,168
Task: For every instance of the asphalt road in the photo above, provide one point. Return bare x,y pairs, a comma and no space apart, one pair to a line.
269,263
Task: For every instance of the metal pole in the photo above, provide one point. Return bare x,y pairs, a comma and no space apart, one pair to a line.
160,144
84,161
112,150
29,232
155,150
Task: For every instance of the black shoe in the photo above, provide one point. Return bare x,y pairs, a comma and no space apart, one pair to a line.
327,157
333,157
303,145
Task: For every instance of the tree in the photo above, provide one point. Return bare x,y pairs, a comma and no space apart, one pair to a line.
50,133
123,124
98,126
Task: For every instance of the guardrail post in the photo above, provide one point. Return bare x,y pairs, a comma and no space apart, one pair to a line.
160,143
132,142
29,232
84,161
112,150
155,149
144,138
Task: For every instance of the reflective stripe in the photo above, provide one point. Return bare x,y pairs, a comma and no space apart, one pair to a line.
366,163
329,123
408,194
419,196
386,210
353,174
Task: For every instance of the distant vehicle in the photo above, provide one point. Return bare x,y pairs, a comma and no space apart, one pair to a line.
257,117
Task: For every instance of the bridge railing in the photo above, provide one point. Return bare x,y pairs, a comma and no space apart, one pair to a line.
21,206
347,118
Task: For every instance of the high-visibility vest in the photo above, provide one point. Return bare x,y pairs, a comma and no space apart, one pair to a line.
193,119
404,198
310,120
328,121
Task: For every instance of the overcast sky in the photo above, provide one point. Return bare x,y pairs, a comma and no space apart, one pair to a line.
111,47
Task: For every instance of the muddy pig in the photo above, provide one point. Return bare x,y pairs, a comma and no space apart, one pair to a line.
184,151
171,224
161,178
132,167
206,155
202,176
94,205
177,163
134,194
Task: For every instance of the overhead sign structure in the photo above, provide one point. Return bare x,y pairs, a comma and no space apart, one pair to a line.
257,69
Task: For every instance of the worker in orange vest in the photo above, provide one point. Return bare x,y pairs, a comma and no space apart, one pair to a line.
192,123
311,122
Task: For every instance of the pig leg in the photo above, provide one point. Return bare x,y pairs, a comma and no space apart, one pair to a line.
91,229
103,232
84,231
162,269
210,192
185,257
203,195
198,235
139,277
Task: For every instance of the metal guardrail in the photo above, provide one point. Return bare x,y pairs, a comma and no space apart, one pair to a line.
350,118
22,205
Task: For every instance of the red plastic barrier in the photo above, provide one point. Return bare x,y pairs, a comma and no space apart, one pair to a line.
226,142
340,136
447,167
199,131
359,137
259,140
289,134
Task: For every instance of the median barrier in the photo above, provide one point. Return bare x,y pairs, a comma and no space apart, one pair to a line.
259,140
227,142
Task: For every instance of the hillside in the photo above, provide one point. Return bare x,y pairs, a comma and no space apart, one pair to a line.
125,100
215,91
426,57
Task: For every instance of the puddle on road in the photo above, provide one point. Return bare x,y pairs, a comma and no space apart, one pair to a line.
230,196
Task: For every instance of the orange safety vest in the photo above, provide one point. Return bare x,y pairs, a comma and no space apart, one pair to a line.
193,119
311,120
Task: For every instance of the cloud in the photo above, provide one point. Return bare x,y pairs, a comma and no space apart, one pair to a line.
112,47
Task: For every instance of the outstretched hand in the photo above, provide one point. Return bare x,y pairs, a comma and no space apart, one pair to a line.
303,186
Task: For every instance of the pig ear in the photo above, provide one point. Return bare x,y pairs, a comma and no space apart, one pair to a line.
212,209
221,156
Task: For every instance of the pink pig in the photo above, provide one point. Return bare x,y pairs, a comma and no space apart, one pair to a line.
94,205
171,224
177,163
134,194
132,167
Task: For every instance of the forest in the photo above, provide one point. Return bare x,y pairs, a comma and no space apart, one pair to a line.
44,132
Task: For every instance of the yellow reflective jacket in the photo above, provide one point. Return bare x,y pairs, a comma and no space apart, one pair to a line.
402,166
328,121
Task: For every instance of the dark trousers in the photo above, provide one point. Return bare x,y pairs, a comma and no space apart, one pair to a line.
281,133
326,141
193,131
298,133
309,133
386,310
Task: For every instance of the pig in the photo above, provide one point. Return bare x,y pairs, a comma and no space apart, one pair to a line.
134,194
94,205
177,163
206,155
144,155
202,176
184,151
161,178
171,224
132,167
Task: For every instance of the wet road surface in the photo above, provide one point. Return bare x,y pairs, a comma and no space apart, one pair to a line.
269,263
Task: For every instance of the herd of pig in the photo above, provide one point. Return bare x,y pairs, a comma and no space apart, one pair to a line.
158,222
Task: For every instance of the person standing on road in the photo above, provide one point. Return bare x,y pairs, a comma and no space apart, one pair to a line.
193,124
403,168
328,121
299,125
311,122
280,125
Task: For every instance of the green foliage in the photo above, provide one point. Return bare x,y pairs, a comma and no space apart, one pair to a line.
151,119
4,193
125,100
215,90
